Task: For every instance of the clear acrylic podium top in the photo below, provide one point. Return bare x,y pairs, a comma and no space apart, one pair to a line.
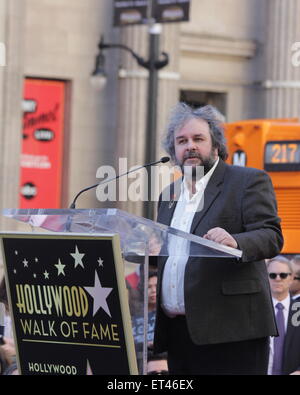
139,236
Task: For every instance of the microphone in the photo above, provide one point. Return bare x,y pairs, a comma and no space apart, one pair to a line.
164,159
2,323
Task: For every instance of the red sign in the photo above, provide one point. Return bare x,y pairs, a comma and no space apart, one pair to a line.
42,147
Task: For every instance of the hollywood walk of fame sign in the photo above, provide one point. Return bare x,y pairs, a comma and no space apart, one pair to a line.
69,304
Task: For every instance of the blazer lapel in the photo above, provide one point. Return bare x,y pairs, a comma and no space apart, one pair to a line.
167,207
212,191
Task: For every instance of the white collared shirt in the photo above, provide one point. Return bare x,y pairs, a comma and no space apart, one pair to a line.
286,304
178,249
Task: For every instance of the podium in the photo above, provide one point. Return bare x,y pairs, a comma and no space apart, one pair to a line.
74,309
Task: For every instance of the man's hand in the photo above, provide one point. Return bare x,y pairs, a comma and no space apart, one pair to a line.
220,235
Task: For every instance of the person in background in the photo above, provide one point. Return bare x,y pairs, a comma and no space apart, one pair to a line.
152,284
8,346
137,313
7,318
157,364
284,349
295,286
296,262
11,370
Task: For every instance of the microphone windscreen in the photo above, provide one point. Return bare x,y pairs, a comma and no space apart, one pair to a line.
165,159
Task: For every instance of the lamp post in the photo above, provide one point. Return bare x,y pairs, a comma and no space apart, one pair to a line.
153,64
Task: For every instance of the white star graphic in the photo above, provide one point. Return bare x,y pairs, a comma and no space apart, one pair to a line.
25,262
100,261
99,294
78,258
46,275
60,268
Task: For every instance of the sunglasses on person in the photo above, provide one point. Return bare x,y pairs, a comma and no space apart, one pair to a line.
283,276
297,278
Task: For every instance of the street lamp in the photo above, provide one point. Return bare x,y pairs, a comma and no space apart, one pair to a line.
98,77
153,64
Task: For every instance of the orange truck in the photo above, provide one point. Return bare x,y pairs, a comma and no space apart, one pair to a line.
274,146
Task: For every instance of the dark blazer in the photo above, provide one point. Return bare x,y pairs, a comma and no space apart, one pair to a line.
227,300
291,357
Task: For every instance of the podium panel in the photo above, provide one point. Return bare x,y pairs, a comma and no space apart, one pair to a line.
69,304
139,236
138,239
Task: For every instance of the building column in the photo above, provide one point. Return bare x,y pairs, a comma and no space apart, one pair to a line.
133,97
282,83
11,84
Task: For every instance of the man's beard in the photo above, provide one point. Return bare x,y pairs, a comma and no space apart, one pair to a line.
205,162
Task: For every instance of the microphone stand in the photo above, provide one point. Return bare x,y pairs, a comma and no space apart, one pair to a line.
162,160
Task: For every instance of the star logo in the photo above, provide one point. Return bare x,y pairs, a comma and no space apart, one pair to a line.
46,275
60,268
100,261
78,258
99,295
